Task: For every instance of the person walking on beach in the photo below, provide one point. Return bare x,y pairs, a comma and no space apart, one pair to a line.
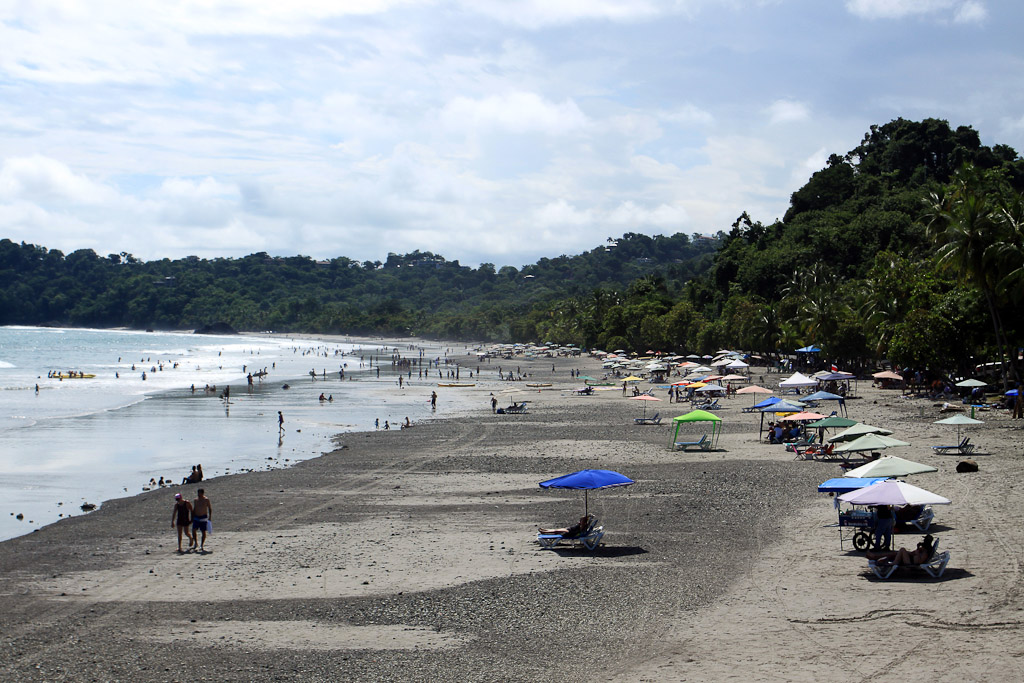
433,400
494,404
202,511
181,517
280,422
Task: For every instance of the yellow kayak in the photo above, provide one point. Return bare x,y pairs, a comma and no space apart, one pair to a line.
77,375
454,384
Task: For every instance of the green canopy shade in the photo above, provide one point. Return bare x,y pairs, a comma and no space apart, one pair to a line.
832,422
699,416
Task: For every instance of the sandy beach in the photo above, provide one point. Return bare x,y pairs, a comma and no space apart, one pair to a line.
410,555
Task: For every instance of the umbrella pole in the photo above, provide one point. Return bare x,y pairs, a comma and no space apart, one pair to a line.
586,503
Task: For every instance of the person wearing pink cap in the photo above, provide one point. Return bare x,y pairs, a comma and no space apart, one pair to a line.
181,517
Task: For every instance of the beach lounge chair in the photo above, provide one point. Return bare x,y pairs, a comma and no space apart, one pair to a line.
963,448
921,520
704,443
652,420
516,408
712,406
934,566
588,538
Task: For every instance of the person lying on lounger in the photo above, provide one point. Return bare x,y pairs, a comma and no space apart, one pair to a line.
904,557
573,531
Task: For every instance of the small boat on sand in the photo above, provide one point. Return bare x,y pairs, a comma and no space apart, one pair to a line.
538,385
456,384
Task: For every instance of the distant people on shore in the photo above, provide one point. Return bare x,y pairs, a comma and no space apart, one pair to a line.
195,476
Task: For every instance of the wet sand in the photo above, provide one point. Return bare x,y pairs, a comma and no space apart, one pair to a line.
410,555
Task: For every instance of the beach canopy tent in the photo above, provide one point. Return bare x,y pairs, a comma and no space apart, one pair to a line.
842,485
893,492
833,422
971,383
827,396
798,380
699,416
838,376
870,442
737,364
809,349
780,406
888,374
822,396
959,421
588,480
768,402
830,422
859,430
890,466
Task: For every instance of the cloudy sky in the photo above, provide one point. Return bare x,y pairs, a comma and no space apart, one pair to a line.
484,130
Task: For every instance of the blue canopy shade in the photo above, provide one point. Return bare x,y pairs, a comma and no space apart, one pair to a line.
588,479
782,407
809,349
1011,392
767,402
822,396
847,484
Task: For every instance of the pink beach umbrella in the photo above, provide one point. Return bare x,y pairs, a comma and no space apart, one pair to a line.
645,398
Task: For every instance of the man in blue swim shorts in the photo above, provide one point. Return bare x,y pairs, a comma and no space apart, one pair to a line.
202,511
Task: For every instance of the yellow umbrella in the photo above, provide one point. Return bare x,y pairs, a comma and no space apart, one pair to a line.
633,378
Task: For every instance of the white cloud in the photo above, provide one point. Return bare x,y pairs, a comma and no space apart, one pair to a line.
962,11
787,111
515,112
39,179
971,12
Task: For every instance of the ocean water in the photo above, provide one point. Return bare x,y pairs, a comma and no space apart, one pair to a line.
65,442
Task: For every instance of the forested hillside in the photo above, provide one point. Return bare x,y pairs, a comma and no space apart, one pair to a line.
907,247
418,293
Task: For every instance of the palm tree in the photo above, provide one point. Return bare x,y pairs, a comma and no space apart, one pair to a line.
965,222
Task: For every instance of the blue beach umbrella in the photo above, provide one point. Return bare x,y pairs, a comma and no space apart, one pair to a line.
767,402
1011,392
588,480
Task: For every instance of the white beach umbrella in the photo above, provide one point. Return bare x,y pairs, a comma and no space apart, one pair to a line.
959,421
890,466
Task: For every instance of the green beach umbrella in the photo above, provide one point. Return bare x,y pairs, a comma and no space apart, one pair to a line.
859,430
959,421
870,442
890,466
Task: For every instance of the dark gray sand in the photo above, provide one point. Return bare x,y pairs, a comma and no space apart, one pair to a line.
675,542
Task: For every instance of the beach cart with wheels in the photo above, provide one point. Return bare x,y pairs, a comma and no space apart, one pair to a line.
856,522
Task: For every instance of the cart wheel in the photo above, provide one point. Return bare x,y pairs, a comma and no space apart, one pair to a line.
862,540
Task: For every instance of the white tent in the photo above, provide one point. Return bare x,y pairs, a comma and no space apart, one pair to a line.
798,380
